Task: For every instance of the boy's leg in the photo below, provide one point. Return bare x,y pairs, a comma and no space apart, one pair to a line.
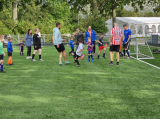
40,52
34,53
1,63
104,53
89,55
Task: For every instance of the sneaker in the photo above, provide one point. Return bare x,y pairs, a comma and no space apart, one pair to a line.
92,60
33,60
82,56
2,72
79,58
30,57
88,61
40,59
117,63
78,66
27,57
104,57
128,57
110,63
67,62
60,64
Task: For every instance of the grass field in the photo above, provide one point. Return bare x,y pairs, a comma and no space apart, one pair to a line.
44,90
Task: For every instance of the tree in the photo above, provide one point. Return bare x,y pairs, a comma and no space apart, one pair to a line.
107,7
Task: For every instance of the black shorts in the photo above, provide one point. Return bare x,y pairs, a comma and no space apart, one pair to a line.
61,47
1,57
75,55
38,47
114,48
126,46
9,54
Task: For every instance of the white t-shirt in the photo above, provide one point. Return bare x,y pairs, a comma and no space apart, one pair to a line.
80,47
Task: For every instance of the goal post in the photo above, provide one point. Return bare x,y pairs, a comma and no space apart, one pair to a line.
140,49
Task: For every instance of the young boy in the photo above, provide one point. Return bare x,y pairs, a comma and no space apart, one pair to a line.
78,53
21,44
101,46
71,45
1,54
90,49
9,50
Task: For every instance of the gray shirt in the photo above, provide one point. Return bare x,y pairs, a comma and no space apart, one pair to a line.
80,47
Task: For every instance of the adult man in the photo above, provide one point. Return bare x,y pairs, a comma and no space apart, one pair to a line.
127,40
115,41
59,45
37,45
91,33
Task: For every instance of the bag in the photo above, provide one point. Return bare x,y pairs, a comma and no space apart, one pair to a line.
156,51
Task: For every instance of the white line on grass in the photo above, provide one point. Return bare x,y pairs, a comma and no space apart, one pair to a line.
146,63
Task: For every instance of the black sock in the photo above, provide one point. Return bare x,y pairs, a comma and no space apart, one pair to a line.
103,54
77,62
111,61
124,52
39,56
33,56
20,53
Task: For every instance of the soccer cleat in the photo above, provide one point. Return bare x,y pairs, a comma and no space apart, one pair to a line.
79,58
40,59
82,57
2,72
88,61
77,65
117,63
67,62
33,60
110,63
60,64
128,57
92,60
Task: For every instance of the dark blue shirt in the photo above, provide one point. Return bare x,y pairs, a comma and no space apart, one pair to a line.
126,35
100,40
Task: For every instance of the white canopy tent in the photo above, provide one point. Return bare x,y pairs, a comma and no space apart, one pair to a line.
138,25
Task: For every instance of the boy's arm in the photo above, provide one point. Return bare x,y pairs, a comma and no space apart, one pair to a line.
80,51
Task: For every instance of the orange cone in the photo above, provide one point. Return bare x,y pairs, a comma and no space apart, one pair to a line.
106,45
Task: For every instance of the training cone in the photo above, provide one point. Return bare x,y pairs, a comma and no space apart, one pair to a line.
105,44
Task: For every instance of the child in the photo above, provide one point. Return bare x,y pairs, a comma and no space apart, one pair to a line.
101,46
71,45
21,44
78,52
90,49
1,54
9,50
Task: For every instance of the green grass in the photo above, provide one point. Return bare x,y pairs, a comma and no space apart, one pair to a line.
44,90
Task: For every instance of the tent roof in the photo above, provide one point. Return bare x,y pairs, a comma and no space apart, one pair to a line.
140,20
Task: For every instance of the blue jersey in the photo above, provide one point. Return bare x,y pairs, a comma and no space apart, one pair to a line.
71,44
126,35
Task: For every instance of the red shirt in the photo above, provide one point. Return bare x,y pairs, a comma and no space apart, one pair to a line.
116,32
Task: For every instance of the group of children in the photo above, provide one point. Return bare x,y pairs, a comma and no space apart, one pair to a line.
90,45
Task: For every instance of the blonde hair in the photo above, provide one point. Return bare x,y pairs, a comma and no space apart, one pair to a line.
89,38
35,29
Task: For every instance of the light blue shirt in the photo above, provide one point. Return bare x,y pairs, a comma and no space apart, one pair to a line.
57,36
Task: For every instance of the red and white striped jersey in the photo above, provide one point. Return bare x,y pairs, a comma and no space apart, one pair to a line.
116,32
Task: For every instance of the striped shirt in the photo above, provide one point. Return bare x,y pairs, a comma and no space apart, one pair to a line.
116,32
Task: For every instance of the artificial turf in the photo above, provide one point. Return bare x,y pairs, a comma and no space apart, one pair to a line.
44,90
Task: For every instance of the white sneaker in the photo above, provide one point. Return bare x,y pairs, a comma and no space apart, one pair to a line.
27,57
30,57
33,60
40,59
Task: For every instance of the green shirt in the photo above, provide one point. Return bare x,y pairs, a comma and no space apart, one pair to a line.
1,48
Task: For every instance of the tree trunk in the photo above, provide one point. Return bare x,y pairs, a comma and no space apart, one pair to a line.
15,15
113,16
95,8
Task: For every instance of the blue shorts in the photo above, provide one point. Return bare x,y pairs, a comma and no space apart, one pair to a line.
90,52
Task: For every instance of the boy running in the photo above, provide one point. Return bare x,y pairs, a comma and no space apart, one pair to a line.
101,46
71,45
10,51
90,49
21,44
78,53
127,40
1,54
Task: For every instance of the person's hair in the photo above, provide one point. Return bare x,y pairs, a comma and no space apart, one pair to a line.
1,37
35,29
78,33
57,24
115,23
21,39
88,38
124,25
80,40
71,37
10,39
29,31
102,34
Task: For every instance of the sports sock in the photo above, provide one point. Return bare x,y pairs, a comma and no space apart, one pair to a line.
92,57
11,61
111,61
98,56
89,58
33,56
1,67
39,56
128,53
124,52
77,62
8,61
120,53
20,53
103,54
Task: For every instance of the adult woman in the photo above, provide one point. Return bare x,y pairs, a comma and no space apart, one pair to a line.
78,35
28,40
